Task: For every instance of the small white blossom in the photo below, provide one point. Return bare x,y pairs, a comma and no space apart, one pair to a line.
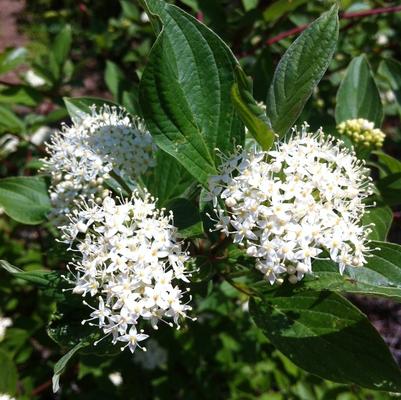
116,378
287,205
5,396
81,157
131,264
34,79
4,324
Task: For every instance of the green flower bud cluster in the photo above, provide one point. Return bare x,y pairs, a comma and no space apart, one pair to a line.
362,133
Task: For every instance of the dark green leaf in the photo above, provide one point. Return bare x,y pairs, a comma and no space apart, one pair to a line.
115,79
25,199
390,189
168,179
20,94
10,59
390,163
326,335
279,8
300,70
185,92
62,45
78,106
381,275
8,375
186,218
358,96
381,217
9,122
251,114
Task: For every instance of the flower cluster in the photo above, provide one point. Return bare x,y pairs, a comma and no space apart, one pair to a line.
4,324
81,157
131,263
362,132
4,396
288,205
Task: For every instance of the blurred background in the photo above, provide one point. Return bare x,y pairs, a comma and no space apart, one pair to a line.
50,49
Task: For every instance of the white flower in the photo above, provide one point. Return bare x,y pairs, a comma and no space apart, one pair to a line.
116,378
5,396
4,324
362,132
34,79
288,205
81,157
131,264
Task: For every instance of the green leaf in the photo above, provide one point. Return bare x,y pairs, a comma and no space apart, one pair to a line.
21,94
62,45
168,179
251,114
390,70
79,106
61,365
11,58
51,283
390,189
380,276
9,122
390,163
185,92
187,218
8,375
382,217
326,335
358,96
279,8
250,4
300,70
25,199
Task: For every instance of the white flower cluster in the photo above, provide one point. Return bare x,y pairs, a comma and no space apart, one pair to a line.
288,205
81,157
362,132
4,324
4,396
131,264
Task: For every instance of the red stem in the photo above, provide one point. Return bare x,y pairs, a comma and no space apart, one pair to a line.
359,14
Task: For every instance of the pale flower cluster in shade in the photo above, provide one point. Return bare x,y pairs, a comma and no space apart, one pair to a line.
83,155
4,324
130,264
288,205
5,396
362,132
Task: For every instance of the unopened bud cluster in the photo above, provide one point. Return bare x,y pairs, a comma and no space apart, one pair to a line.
287,206
362,132
82,156
130,263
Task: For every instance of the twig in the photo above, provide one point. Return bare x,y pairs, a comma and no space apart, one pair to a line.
41,388
352,15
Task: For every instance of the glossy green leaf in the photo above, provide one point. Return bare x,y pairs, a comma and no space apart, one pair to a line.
390,69
8,374
251,114
21,94
358,96
300,70
380,276
25,199
185,92
326,335
10,59
61,365
381,216
78,106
